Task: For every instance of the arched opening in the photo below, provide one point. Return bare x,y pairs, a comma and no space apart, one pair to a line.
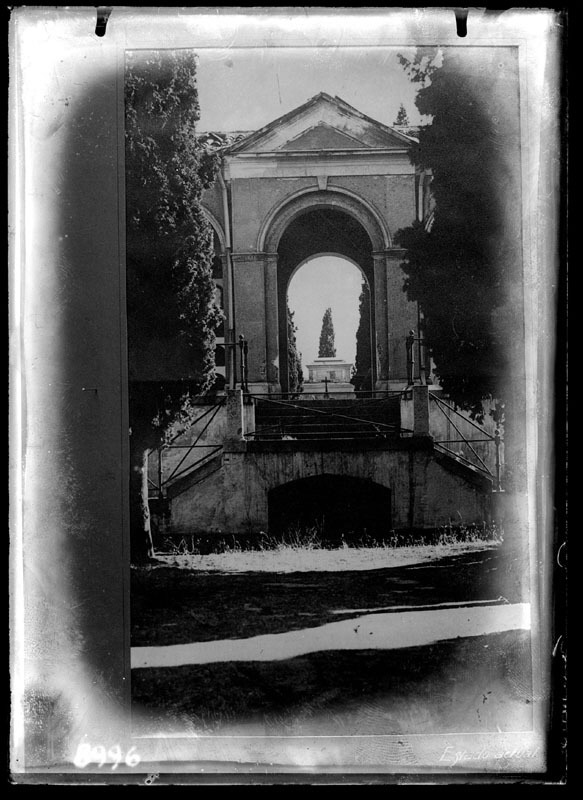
335,506
312,232
335,285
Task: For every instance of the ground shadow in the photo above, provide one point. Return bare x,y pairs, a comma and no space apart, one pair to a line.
478,684
178,606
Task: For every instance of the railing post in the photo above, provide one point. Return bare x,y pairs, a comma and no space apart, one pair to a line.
160,470
420,410
497,443
248,406
245,365
409,342
233,412
422,375
242,409
244,348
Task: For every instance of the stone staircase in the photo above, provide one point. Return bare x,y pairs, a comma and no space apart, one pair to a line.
327,419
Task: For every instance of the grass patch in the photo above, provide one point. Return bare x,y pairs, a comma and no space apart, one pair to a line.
231,596
313,538
477,684
482,684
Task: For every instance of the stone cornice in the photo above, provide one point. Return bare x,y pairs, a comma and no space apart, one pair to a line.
329,163
390,251
414,443
280,155
255,257
263,257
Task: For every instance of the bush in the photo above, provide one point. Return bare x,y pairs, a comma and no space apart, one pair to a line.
312,538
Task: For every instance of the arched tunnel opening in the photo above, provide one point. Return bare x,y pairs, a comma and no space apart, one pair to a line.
333,506
315,232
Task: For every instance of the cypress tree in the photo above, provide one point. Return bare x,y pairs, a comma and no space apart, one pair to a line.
402,118
296,374
171,315
327,348
362,378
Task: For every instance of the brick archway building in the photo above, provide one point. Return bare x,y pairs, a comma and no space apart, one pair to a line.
323,178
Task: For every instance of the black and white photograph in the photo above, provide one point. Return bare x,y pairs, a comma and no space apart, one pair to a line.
286,298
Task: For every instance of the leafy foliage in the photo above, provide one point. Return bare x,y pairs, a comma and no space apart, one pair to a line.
171,314
421,67
463,267
327,347
296,373
170,291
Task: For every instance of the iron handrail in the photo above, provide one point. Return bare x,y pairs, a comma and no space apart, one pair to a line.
175,475
177,472
214,448
316,423
177,492
213,415
304,432
302,416
183,446
455,411
290,404
467,441
332,436
459,441
179,447
496,438
355,395
469,463
200,400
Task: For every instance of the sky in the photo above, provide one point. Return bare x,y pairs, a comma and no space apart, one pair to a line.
245,89
321,283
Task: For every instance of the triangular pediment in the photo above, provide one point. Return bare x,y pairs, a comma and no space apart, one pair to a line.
323,123
323,137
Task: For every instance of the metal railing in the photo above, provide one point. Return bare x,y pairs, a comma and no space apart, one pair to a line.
184,466
477,463
306,394
332,422
160,486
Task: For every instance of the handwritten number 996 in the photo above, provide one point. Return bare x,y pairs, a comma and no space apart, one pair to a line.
87,754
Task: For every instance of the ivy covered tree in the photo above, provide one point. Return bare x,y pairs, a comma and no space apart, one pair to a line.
463,265
171,316
401,118
362,378
296,373
327,347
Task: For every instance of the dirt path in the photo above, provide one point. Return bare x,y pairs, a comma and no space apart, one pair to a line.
176,606
371,632
419,640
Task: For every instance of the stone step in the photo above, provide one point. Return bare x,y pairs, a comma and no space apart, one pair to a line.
322,435
322,411
327,419
326,404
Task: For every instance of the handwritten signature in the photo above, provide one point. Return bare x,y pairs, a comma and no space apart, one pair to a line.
451,756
